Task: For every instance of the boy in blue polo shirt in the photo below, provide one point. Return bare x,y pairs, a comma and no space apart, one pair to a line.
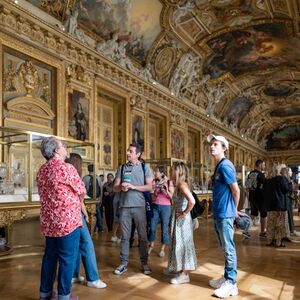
226,195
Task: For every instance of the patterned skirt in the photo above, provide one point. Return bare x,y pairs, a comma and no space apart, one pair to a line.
277,226
182,254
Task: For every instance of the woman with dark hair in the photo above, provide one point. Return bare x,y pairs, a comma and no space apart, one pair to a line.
161,206
86,246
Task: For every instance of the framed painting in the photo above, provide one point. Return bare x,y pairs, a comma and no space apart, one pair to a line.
138,130
177,144
78,115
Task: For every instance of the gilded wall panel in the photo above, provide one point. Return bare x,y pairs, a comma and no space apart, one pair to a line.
31,88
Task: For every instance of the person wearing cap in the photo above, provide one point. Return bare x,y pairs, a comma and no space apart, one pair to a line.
226,194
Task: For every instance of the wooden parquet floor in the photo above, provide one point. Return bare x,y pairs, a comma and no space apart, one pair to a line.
263,273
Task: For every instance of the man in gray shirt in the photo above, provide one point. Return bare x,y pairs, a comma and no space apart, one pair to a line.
132,180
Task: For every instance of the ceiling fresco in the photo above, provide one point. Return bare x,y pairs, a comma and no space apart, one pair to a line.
135,21
285,112
234,60
237,110
257,48
279,139
282,90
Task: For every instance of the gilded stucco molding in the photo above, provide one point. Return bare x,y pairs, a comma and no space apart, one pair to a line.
9,216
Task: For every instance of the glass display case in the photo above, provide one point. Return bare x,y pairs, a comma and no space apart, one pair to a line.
20,160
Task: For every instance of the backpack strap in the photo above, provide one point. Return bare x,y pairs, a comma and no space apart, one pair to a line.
217,166
143,167
122,170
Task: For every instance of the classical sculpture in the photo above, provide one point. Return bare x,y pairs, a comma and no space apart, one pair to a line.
183,10
183,73
108,48
71,21
29,76
9,77
46,94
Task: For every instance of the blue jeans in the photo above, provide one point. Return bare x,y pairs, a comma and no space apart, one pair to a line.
224,229
162,213
64,251
87,252
99,223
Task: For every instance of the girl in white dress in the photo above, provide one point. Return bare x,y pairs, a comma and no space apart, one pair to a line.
182,255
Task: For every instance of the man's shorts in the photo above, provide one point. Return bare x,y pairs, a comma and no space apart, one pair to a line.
257,205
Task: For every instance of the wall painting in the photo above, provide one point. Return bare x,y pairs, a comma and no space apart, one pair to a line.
78,115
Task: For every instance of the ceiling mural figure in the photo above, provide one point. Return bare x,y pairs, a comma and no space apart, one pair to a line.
258,47
279,90
285,112
280,138
237,110
134,21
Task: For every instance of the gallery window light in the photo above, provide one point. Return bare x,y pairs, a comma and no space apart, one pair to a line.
207,115
16,1
154,82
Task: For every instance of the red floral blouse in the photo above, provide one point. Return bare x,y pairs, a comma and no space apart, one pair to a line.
60,189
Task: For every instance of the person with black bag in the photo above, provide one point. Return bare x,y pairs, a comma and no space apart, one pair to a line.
133,179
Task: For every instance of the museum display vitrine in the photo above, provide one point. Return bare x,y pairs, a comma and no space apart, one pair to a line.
20,160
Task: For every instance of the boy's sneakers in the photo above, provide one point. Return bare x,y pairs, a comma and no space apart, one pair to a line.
180,278
227,289
146,270
216,283
120,270
246,235
98,284
79,279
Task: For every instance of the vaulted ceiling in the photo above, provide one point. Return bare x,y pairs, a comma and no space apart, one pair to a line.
236,60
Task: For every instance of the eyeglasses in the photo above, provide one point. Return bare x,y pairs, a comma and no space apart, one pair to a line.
62,145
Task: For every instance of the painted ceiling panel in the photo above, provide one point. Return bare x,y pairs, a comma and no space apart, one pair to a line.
136,21
258,47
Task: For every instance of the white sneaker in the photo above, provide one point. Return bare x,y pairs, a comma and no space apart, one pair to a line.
169,273
146,270
227,289
295,233
98,284
114,239
180,278
216,283
79,279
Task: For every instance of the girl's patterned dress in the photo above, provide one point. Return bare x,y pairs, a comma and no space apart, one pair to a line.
182,255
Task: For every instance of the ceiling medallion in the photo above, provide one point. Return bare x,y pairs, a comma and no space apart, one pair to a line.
164,61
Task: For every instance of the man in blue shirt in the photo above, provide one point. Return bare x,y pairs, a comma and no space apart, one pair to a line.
226,195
